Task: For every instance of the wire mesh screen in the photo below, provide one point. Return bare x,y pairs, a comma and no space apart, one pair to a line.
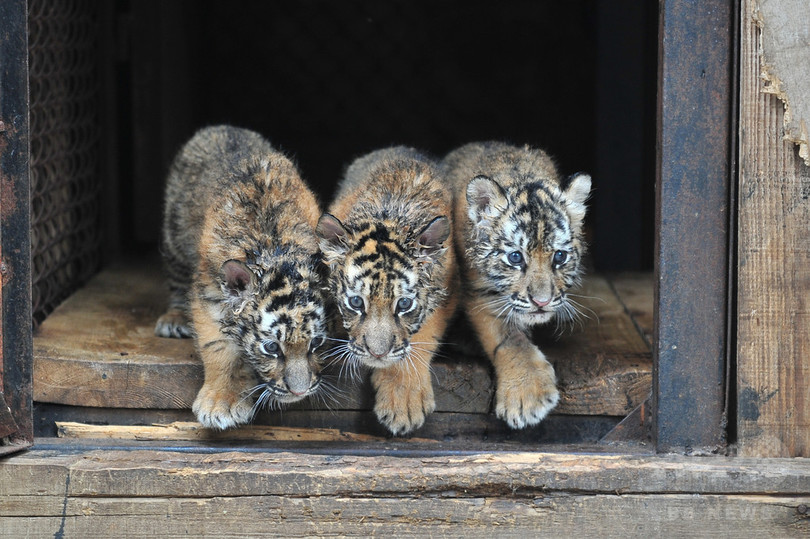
64,130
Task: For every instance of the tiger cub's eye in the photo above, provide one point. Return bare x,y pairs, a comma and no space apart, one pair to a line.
560,258
515,258
269,348
404,305
356,303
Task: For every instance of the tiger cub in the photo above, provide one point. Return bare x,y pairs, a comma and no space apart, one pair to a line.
518,230
393,277
242,259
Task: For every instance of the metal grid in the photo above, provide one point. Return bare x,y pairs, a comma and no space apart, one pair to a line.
65,135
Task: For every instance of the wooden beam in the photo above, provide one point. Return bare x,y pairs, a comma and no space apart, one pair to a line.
610,515
692,222
15,223
773,322
166,493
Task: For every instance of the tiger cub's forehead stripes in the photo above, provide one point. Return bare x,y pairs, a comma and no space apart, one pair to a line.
292,308
379,262
535,204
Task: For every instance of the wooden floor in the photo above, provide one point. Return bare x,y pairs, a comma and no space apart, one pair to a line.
97,361
130,461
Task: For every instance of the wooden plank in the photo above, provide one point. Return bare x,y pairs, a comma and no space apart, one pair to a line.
603,365
695,124
83,473
674,515
98,349
773,322
456,431
193,431
147,492
636,291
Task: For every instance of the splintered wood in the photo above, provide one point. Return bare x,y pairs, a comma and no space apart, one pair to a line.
784,57
98,350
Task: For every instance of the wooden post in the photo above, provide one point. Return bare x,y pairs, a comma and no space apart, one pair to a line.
692,220
15,247
773,348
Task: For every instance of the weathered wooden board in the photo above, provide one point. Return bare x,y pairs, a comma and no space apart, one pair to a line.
456,431
98,349
163,493
193,431
773,348
635,291
234,473
674,515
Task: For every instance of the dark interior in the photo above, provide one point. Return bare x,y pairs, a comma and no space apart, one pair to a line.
328,81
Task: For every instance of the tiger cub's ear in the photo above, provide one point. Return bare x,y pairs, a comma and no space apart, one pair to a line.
433,235
334,238
486,199
237,279
576,193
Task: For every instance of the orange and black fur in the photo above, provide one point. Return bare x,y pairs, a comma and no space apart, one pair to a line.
518,231
387,242
243,265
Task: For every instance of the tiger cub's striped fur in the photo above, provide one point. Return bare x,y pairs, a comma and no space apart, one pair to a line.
518,230
242,258
386,240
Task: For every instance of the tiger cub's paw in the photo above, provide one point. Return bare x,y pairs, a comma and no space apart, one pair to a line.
217,409
527,394
402,406
173,323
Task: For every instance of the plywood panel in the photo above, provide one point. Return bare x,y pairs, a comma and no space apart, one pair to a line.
773,349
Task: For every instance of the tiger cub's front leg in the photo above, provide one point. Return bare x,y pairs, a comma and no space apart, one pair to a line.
404,396
404,391
526,386
223,401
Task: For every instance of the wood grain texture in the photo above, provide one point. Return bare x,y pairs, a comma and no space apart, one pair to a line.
165,493
773,348
193,431
674,515
98,349
635,291
234,473
456,431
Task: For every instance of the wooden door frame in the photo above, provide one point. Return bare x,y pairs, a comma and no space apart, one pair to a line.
694,223
16,427
695,180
